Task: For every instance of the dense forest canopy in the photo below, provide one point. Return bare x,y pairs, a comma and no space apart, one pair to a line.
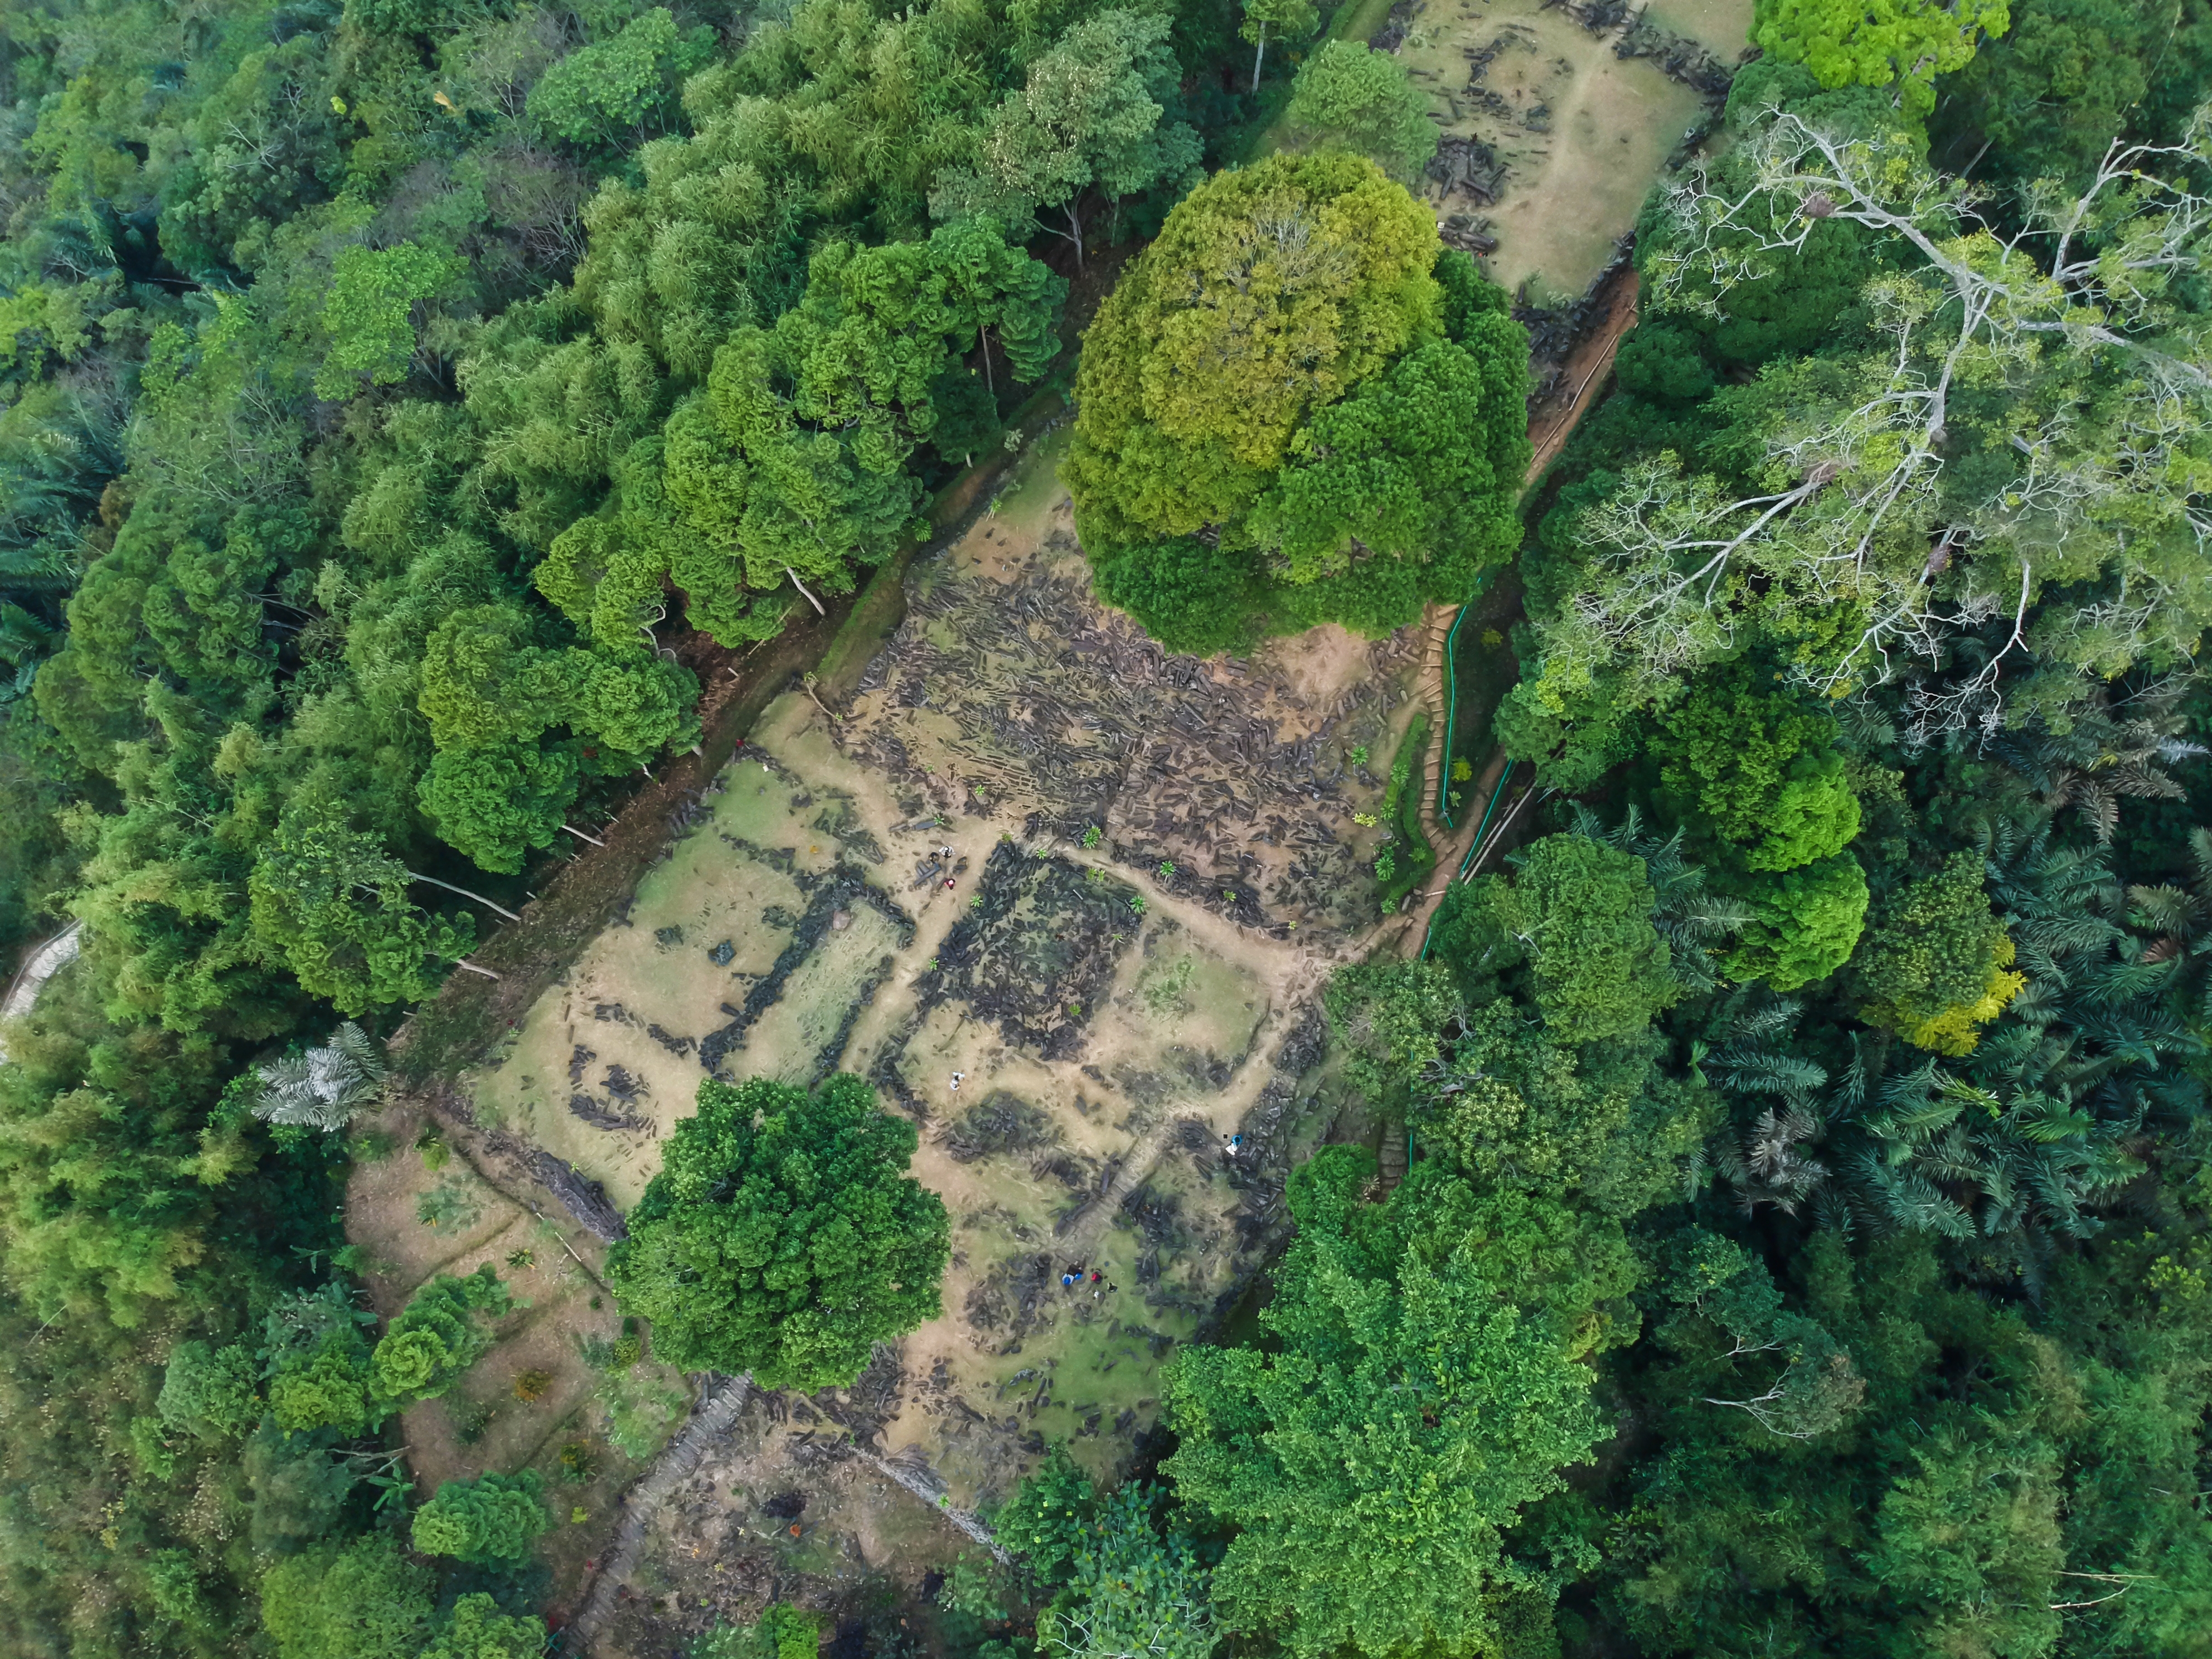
1809,1245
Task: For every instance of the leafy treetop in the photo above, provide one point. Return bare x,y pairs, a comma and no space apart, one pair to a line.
782,1235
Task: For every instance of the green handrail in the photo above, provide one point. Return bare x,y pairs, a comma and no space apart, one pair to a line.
1496,793
1451,713
1451,696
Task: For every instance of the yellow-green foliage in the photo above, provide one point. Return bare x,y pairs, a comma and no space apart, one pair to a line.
1271,292
1936,966
783,1632
1871,43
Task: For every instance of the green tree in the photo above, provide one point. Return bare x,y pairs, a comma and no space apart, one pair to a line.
1405,473
331,904
1803,925
492,805
1776,1365
1843,558
1428,1382
479,1630
994,288
1288,20
1130,1590
1575,918
369,315
2045,100
300,1490
1090,115
492,1520
623,85
1935,965
782,1632
1387,1018
1757,771
1848,42
1350,95
1185,594
1516,1106
782,1237
435,1337
487,681
366,1600
1663,362
210,1392
1271,291
1049,1518
316,1360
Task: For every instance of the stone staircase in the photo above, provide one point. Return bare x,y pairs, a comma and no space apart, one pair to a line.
1391,1161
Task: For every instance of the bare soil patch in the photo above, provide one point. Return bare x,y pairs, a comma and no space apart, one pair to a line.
537,1400
904,888
1556,120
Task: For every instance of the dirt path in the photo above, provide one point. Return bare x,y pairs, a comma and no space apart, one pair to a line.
1553,423
1585,375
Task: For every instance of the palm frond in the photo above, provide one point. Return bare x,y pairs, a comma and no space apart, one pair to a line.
325,1087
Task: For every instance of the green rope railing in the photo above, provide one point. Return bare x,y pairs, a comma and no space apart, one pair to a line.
1474,846
1451,709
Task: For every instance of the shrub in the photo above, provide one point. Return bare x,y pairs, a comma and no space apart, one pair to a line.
493,1519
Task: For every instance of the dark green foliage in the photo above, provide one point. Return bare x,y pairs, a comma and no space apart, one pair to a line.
298,1491
1188,596
1994,1451
357,486
1663,362
1810,289
1573,925
210,1392
1049,1516
1467,293
2046,99
782,1237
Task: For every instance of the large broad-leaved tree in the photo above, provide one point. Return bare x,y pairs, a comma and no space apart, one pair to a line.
1428,1379
783,1236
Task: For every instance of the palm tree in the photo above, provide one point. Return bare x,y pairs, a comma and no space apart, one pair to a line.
323,1088
2019,1141
2117,746
1692,921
